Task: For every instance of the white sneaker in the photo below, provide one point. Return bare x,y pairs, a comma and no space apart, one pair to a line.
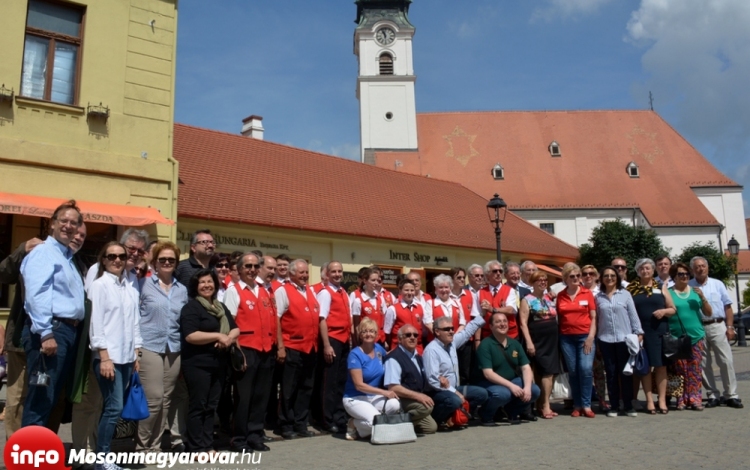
632,414
351,431
611,414
637,405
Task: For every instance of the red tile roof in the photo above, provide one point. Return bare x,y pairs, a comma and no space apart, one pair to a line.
275,185
595,147
743,262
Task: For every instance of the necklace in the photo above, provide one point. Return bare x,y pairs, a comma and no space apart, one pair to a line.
681,295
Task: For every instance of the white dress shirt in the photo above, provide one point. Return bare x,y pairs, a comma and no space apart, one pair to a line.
282,301
232,297
356,305
447,308
114,318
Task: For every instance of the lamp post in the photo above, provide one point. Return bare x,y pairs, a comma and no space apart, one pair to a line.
497,209
734,249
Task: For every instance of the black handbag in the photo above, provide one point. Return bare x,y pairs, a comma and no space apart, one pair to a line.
676,348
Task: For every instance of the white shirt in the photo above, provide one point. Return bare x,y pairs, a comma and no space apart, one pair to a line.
131,276
282,301
426,304
114,318
324,300
232,297
356,305
447,308
716,293
390,316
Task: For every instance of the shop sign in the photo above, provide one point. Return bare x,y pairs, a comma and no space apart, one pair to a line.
236,241
418,257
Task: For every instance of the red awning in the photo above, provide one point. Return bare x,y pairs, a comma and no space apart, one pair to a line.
114,214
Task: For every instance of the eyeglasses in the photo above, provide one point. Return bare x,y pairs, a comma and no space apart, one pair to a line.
372,332
574,276
542,281
165,260
447,328
589,273
222,265
621,267
133,249
683,274
71,222
609,276
460,277
495,271
112,257
252,266
205,242
411,335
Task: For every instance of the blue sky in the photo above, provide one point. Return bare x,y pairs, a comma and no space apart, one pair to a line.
292,62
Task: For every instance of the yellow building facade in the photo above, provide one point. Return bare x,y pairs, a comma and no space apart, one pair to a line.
86,113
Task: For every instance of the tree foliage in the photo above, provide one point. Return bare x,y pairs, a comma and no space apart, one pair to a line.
616,239
720,266
746,295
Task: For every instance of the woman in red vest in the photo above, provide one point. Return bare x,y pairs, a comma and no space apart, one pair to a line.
367,303
445,305
406,311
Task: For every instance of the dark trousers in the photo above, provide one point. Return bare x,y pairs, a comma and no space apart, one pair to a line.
330,382
465,357
446,402
41,400
272,409
296,389
500,396
225,408
254,387
620,386
204,391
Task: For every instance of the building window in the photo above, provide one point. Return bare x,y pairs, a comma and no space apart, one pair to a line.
497,172
52,52
386,64
554,149
548,227
633,171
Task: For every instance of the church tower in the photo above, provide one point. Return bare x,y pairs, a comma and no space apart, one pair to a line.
385,83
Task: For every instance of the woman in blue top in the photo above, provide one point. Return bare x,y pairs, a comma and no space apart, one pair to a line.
364,395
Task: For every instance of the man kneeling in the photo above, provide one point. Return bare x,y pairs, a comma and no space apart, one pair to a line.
506,373
404,375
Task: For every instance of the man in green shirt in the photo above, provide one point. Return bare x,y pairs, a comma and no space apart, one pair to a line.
506,373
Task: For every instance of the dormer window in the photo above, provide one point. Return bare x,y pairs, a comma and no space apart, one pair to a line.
386,64
633,171
497,172
554,149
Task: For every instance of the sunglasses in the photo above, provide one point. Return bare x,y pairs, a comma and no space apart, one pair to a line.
574,276
609,276
252,266
411,335
112,257
620,267
589,273
496,271
447,328
133,249
222,265
683,274
164,260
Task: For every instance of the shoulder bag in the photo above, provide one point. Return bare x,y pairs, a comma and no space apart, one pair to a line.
674,348
392,429
641,366
136,406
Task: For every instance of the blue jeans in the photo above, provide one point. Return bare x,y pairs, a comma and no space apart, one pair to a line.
447,402
113,399
580,368
40,400
500,396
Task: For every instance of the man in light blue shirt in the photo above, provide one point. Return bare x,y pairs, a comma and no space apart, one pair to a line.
441,370
54,302
719,330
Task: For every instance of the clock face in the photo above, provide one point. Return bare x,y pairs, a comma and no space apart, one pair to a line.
385,36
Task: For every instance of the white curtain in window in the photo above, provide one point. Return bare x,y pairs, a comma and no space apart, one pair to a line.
34,67
63,75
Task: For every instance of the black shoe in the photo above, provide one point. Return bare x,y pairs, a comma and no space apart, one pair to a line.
528,416
333,429
514,421
489,424
258,447
238,447
304,433
722,401
711,403
444,428
177,448
735,403
288,434
267,438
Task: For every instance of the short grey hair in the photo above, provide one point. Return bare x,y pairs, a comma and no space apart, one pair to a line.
488,266
475,266
293,265
526,263
138,234
643,261
441,321
403,329
241,259
697,258
442,279
512,264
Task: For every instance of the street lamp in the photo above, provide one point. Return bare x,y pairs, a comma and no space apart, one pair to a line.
734,250
497,209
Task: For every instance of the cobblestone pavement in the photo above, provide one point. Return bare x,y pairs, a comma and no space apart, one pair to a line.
712,439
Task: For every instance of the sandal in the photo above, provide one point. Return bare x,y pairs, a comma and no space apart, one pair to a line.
697,407
651,411
576,414
663,411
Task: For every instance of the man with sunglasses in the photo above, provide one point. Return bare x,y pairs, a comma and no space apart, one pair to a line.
404,375
135,242
622,269
202,247
496,297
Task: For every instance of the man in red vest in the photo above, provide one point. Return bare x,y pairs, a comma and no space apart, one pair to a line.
255,316
323,279
496,297
297,338
335,330
405,312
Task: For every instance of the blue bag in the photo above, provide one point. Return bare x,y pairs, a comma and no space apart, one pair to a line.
136,406
641,367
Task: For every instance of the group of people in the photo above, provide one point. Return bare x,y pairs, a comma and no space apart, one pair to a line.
245,337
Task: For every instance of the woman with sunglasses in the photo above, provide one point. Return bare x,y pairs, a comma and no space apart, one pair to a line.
115,337
689,303
576,310
161,302
654,306
538,317
222,271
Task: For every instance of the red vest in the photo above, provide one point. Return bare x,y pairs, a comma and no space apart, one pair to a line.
256,319
374,313
339,319
299,324
318,287
437,312
497,302
466,299
388,297
407,316
276,284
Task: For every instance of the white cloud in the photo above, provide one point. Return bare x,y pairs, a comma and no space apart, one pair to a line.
697,61
566,9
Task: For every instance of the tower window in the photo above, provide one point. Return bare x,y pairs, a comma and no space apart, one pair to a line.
633,170
497,172
548,227
386,64
554,149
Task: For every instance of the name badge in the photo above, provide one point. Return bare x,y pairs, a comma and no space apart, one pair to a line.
656,291
583,302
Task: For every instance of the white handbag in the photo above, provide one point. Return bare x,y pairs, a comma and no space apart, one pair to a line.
392,429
